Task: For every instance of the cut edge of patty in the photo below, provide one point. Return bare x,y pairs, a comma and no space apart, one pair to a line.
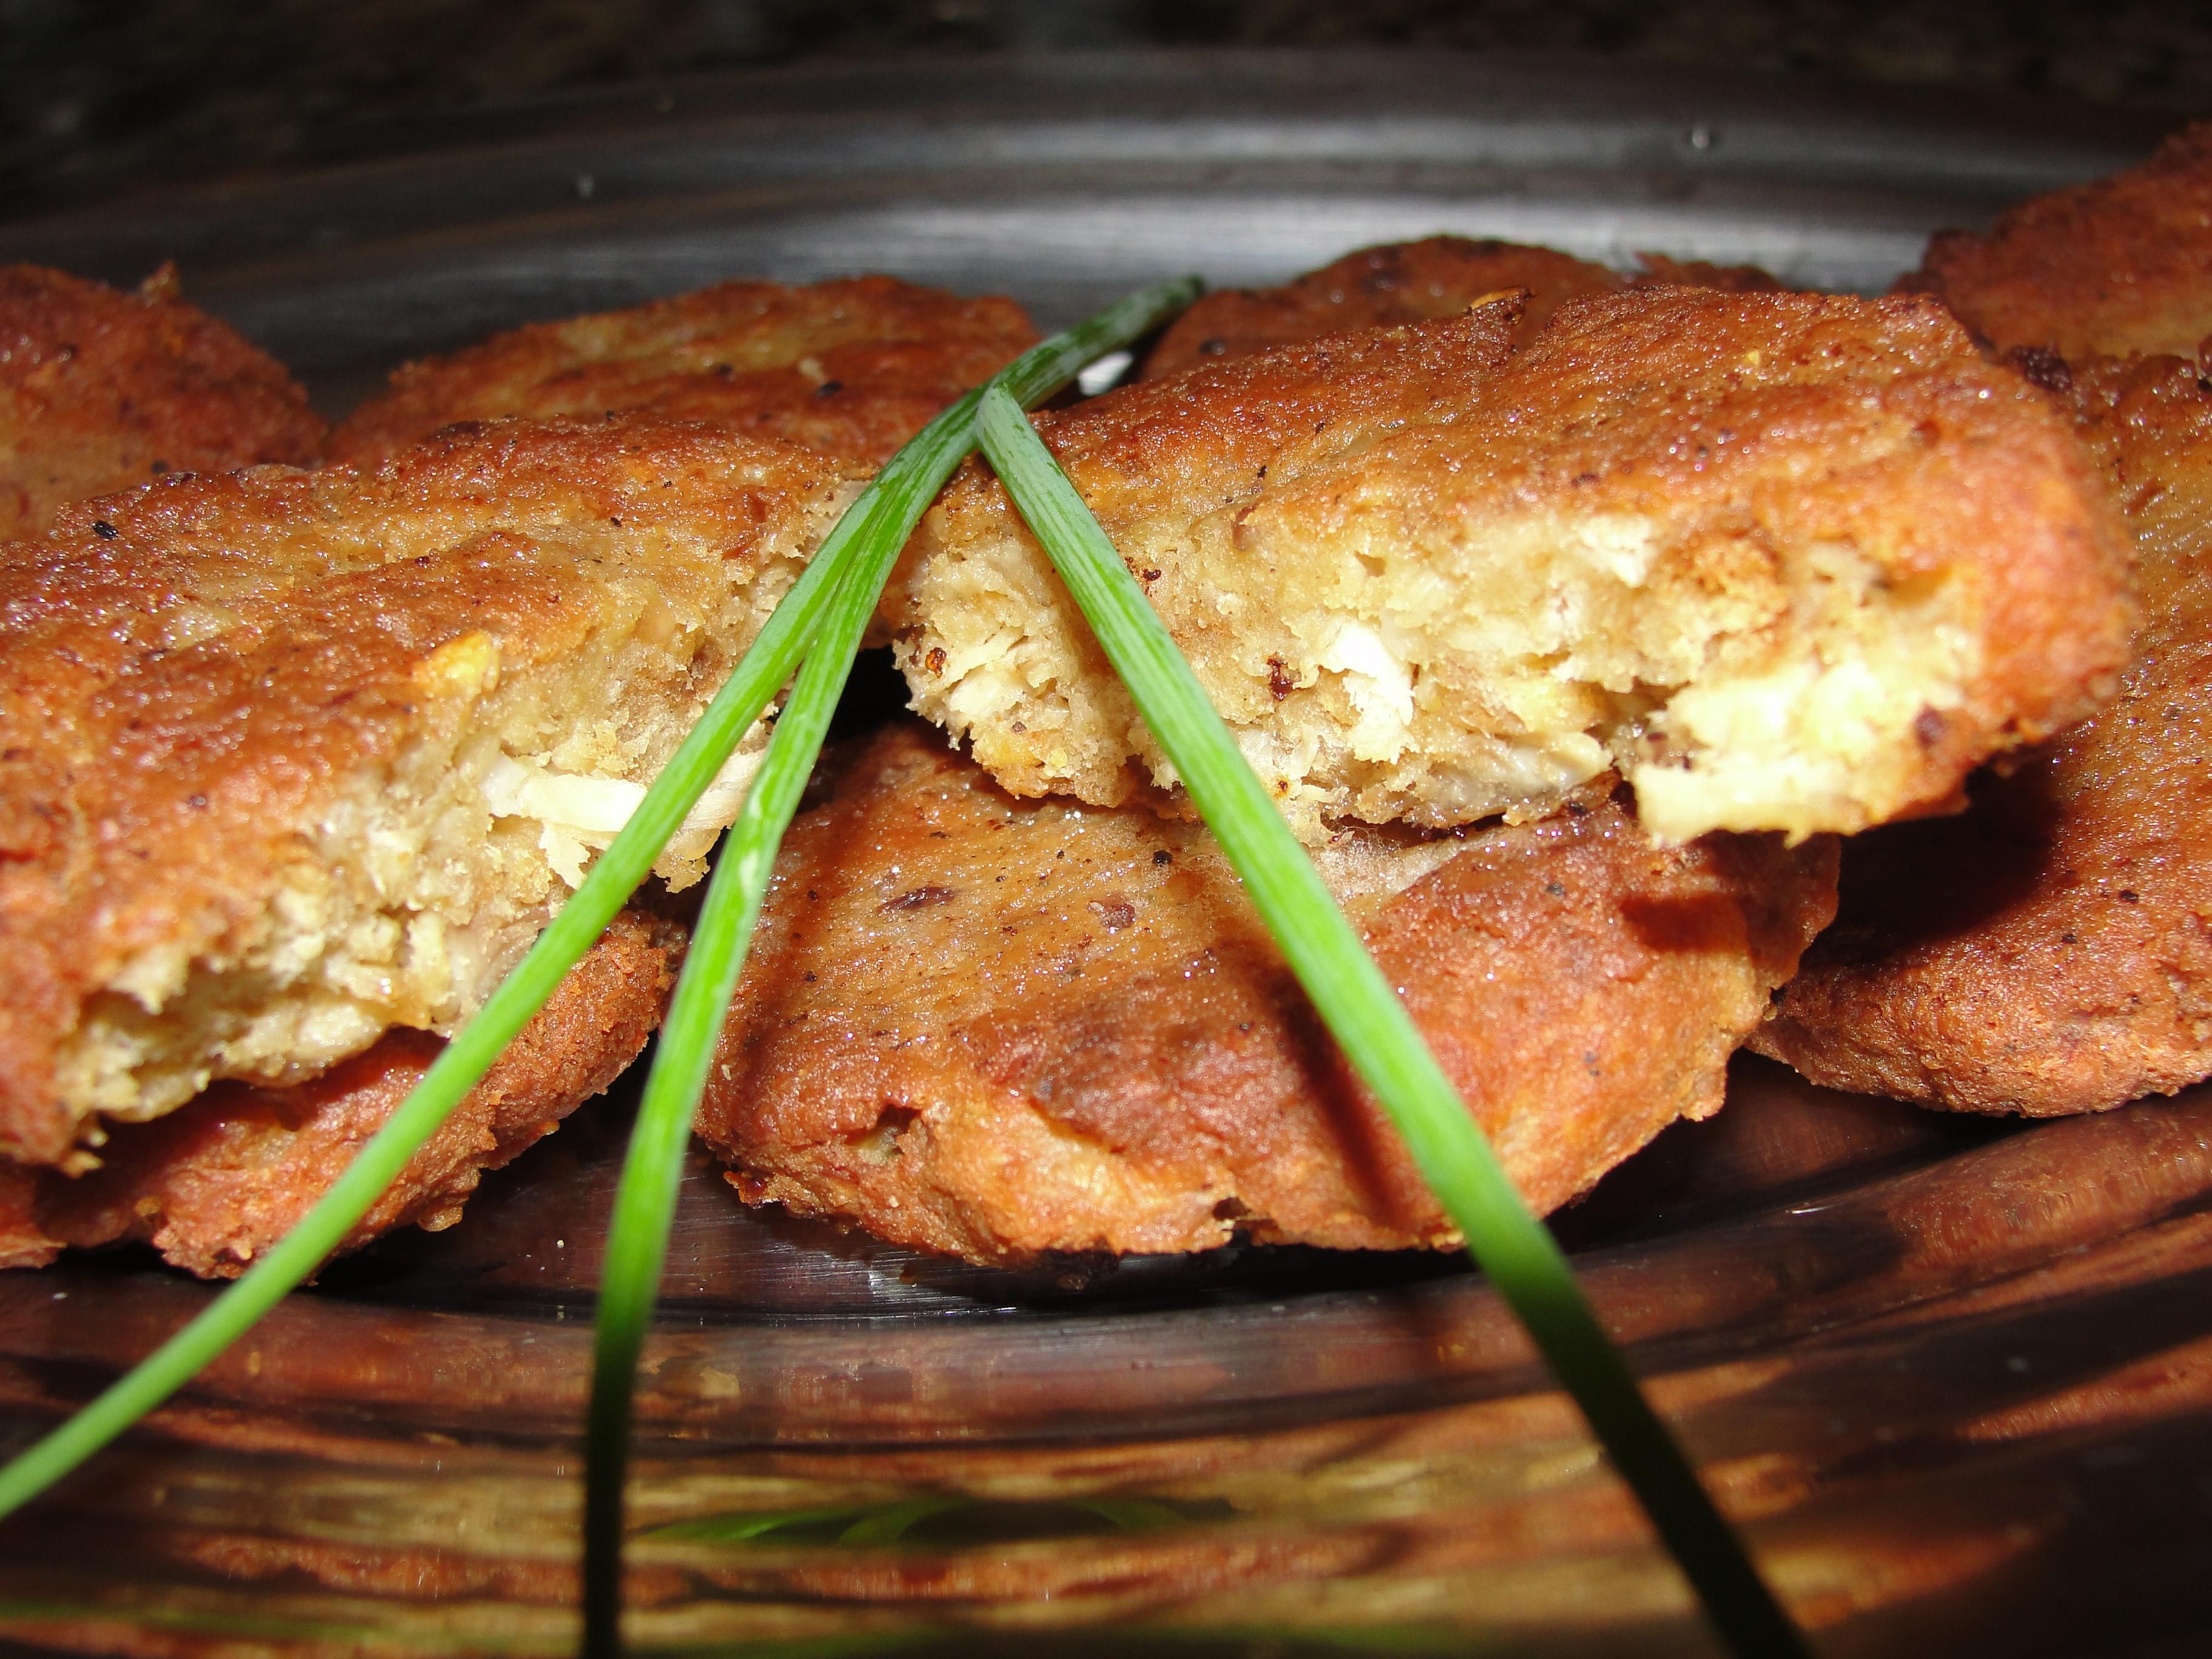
216,1184
1788,562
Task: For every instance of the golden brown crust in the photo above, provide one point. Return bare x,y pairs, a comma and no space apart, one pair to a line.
996,1028
100,391
2119,266
1375,288
2047,952
1410,282
214,1184
851,368
1790,560
248,725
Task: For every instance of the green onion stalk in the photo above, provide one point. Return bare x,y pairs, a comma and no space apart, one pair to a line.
645,1199
869,534
1511,1246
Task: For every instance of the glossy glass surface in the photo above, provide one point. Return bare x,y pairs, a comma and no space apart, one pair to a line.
1954,1375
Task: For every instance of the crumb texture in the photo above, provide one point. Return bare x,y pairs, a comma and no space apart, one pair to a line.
997,1027
2050,951
214,1185
1786,561
289,758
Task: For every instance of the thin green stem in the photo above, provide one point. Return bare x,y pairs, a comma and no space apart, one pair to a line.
766,665
645,1201
1514,1249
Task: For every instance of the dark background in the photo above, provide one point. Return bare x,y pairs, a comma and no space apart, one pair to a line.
98,94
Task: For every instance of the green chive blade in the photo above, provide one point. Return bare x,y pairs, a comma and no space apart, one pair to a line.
1512,1247
894,1520
645,1200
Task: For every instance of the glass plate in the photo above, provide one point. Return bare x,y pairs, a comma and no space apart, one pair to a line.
1953,1374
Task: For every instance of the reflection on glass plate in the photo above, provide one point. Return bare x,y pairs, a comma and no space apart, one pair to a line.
1953,1374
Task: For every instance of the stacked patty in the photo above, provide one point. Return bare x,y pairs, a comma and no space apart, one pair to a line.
295,765
850,368
1786,562
998,1027
2044,952
1449,582
1566,614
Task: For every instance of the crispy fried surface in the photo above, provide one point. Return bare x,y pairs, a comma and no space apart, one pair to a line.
1376,288
994,1028
288,759
1410,282
100,391
1788,562
214,1184
2047,952
852,368
2119,266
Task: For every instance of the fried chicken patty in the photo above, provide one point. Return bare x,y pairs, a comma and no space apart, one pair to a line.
993,1028
289,758
100,391
852,368
2120,266
1787,561
214,1184
2048,951
1410,283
